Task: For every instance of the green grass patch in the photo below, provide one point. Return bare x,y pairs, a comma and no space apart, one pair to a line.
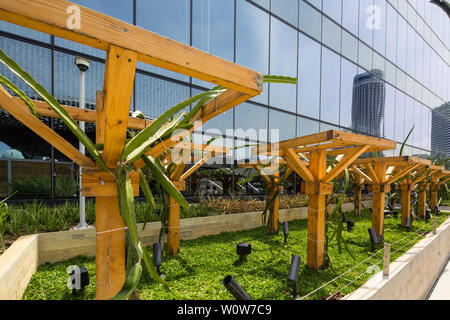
197,272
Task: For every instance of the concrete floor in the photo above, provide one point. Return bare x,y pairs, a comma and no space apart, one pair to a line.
442,289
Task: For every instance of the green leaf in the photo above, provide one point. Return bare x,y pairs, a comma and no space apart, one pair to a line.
164,130
19,93
54,104
404,142
145,135
130,284
165,182
279,79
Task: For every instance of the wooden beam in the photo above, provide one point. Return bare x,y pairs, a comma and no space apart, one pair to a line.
344,163
86,115
100,117
295,163
118,87
405,197
316,213
101,31
194,168
264,176
361,173
402,173
274,208
23,114
379,196
173,231
371,172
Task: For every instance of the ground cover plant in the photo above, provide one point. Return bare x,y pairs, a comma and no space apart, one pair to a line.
197,272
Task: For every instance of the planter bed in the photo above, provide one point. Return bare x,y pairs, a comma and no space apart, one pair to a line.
197,272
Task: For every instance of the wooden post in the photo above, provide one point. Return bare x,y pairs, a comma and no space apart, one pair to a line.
386,259
379,194
316,211
405,194
275,208
358,201
173,233
422,200
112,125
434,196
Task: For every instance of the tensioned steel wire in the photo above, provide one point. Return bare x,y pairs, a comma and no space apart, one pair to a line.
369,269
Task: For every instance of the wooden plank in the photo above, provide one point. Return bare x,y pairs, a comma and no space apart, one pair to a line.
345,162
402,173
23,114
361,173
102,183
118,88
100,31
434,196
194,168
405,198
173,231
274,208
100,116
294,162
371,172
379,200
316,214
110,248
422,201
86,115
359,139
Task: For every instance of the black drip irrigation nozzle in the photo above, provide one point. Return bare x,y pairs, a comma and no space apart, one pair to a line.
235,289
285,231
157,261
243,249
293,273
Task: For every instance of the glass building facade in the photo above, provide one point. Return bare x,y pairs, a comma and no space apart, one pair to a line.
377,67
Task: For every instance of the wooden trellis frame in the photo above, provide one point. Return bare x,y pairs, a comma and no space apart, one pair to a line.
125,44
275,206
202,154
381,172
347,146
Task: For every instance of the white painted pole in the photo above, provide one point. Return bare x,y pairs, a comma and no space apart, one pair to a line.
83,65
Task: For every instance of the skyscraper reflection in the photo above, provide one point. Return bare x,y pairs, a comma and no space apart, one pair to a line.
368,102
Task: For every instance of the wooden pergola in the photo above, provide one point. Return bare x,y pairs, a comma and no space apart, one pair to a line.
261,167
346,147
125,44
381,172
180,155
439,177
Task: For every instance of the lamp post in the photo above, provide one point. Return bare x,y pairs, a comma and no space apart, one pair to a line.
83,66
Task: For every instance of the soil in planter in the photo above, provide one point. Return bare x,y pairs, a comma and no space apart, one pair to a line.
197,272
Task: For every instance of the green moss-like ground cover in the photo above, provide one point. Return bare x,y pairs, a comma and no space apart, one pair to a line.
197,272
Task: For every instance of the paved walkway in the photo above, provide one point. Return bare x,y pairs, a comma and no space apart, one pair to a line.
442,289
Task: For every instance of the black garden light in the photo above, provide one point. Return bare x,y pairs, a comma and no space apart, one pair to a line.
79,279
373,238
157,261
427,215
235,289
395,213
350,225
243,249
408,223
285,231
293,273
